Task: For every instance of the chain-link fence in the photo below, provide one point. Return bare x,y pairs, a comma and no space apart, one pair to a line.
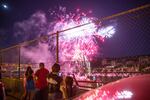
14,60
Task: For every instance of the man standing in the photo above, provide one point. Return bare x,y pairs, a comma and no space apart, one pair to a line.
54,81
41,83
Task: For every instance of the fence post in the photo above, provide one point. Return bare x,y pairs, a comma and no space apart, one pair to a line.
19,76
1,62
57,47
19,63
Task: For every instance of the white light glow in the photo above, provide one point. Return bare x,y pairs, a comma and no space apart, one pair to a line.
5,6
124,94
107,32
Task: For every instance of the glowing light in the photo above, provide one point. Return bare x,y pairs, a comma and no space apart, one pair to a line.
4,6
107,32
124,94
99,94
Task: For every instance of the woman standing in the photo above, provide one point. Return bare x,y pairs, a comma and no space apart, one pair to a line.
29,84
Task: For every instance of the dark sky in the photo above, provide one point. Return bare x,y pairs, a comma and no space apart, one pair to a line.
132,41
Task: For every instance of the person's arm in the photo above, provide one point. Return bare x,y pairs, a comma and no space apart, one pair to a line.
52,81
63,89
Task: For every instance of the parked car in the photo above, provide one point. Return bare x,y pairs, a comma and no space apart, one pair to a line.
132,88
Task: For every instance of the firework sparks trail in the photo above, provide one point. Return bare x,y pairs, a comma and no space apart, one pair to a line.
78,44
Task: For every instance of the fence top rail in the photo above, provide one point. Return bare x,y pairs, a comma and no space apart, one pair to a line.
102,19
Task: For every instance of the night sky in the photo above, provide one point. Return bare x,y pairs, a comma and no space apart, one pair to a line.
132,36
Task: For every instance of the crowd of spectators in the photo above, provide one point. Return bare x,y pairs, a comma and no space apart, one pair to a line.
110,70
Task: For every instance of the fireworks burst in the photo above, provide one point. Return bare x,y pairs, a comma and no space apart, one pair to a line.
79,43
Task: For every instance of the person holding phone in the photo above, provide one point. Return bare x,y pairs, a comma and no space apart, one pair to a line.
54,80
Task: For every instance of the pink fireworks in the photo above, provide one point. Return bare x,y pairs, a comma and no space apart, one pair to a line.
79,44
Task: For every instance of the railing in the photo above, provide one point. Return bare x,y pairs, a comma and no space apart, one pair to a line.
84,81
94,83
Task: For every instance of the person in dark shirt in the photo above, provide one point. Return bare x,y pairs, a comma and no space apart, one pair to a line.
54,81
29,73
